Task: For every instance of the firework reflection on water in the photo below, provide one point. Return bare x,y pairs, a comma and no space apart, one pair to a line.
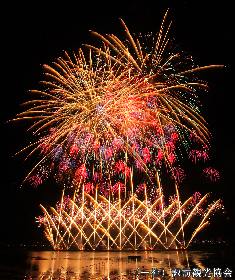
104,265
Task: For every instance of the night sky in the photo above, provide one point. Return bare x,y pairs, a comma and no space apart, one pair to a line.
36,34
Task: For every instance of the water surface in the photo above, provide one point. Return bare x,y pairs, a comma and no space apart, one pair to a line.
21,264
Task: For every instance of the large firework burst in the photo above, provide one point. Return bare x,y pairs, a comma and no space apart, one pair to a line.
125,109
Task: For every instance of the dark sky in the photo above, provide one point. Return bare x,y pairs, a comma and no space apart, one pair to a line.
37,33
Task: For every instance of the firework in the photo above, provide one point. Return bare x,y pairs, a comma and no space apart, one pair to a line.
128,109
178,174
125,104
212,173
199,154
97,223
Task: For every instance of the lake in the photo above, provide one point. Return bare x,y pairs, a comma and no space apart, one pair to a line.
23,264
